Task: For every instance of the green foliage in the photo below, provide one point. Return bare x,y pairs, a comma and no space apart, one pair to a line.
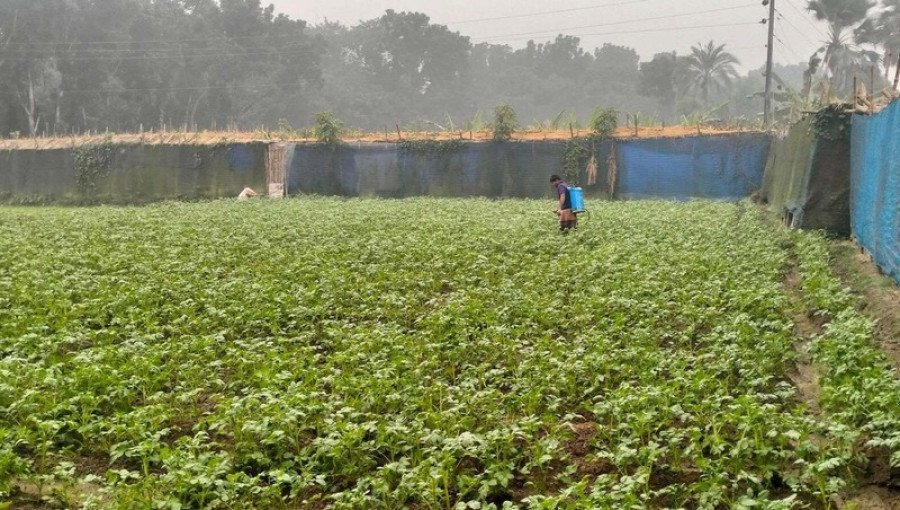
286,131
422,355
703,117
858,385
710,68
92,164
575,158
565,119
505,122
604,122
404,67
477,123
435,147
832,122
328,129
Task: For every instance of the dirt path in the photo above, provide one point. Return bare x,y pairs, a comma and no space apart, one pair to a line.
805,375
881,302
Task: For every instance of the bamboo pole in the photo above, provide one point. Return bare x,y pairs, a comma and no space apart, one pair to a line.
872,92
897,74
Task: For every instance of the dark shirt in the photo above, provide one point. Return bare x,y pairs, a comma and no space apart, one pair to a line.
563,189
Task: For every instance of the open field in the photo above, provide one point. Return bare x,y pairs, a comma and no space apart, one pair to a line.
432,354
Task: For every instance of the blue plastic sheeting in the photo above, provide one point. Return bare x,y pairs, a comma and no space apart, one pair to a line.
728,167
509,169
875,186
725,167
243,158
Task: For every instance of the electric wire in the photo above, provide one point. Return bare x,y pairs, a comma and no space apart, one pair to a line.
252,37
615,23
806,18
166,53
670,29
780,41
515,16
789,22
186,57
101,54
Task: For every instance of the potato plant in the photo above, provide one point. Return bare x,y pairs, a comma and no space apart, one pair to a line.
427,354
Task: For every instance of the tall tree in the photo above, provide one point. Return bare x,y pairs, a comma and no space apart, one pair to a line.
841,56
882,30
416,61
710,69
659,80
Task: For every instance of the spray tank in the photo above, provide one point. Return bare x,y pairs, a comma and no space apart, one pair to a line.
576,198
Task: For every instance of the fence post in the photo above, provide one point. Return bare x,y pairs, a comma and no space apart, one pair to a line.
897,74
276,171
872,92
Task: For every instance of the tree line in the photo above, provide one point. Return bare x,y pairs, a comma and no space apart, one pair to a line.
125,65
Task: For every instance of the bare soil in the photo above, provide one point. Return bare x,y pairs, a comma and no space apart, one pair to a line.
305,136
805,375
872,497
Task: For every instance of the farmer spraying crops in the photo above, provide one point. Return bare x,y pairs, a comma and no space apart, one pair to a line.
567,219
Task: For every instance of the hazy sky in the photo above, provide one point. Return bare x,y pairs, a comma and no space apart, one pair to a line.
648,26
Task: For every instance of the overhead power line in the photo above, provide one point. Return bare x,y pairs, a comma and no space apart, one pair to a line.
543,13
623,22
181,56
789,22
665,29
119,58
806,17
152,89
177,53
253,37
798,57
220,38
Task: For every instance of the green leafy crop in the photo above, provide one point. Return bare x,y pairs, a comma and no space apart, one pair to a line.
424,353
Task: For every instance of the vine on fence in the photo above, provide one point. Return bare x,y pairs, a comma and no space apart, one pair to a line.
576,156
92,164
832,123
434,147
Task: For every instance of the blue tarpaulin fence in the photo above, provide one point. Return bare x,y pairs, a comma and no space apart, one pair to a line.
728,167
875,186
722,167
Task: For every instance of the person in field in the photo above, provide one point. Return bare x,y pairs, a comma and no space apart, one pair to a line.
564,209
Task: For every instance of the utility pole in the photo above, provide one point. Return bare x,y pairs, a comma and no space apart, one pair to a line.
770,94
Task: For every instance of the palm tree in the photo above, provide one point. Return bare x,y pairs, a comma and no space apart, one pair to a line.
842,57
881,30
710,67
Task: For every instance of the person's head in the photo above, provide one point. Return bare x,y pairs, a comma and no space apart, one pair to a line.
555,180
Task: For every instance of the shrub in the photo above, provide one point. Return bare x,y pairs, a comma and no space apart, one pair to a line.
505,122
604,121
328,128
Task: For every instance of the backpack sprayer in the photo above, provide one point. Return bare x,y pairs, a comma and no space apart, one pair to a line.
576,199
576,202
